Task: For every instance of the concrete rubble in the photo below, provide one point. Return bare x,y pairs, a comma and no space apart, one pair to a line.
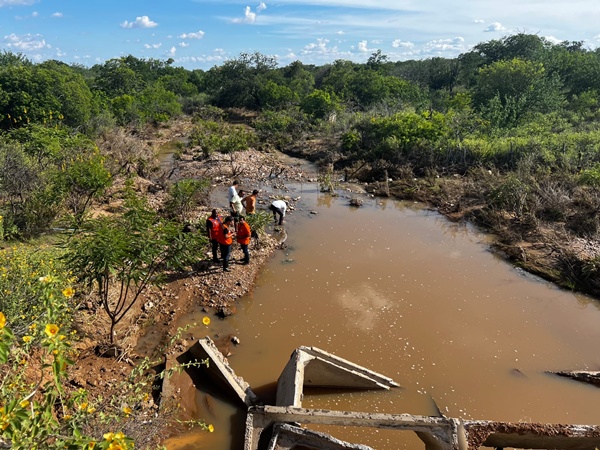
281,426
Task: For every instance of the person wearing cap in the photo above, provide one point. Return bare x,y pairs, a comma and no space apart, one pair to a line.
279,207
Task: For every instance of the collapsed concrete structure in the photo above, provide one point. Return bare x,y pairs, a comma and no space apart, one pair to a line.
278,427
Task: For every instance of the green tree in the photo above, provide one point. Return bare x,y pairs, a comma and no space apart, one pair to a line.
238,82
125,254
319,104
520,85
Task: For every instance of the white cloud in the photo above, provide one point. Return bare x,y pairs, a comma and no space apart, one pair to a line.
340,33
140,22
153,45
397,43
26,42
553,39
183,44
197,35
57,14
35,14
456,44
496,26
362,47
172,51
249,16
478,21
16,2
320,48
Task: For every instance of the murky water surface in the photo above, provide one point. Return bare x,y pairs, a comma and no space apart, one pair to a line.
402,291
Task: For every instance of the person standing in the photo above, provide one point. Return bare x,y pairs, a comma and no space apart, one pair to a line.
279,207
213,228
235,202
225,239
249,202
243,238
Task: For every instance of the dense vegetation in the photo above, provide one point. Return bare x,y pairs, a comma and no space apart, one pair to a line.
509,131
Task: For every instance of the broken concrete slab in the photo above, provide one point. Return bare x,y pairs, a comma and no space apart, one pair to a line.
220,371
288,437
435,432
310,366
585,376
532,435
277,426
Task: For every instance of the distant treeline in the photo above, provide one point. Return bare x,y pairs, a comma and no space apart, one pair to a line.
515,99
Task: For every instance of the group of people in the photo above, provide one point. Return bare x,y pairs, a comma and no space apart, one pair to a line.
222,231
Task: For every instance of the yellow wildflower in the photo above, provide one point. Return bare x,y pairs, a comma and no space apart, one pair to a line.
83,406
206,320
27,339
91,410
2,320
51,330
68,292
210,428
24,403
91,445
109,436
127,410
67,417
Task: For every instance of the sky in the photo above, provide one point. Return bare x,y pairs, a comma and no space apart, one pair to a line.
200,34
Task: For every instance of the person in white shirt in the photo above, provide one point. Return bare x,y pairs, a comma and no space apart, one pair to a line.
235,202
279,207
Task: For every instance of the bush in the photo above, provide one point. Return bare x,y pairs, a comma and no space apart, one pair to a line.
184,195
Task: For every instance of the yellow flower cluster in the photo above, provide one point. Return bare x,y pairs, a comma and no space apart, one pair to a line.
206,320
2,320
116,441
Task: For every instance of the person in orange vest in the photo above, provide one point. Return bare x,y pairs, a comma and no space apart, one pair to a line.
243,238
213,228
225,239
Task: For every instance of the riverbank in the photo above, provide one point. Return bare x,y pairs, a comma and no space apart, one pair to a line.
153,328
547,226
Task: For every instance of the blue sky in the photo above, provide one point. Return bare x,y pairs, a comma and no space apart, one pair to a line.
200,34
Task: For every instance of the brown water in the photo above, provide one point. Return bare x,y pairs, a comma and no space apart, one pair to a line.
402,291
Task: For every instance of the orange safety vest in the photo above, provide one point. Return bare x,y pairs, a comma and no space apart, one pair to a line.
216,227
243,233
225,236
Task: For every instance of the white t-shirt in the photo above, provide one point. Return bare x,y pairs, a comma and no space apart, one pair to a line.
280,204
232,194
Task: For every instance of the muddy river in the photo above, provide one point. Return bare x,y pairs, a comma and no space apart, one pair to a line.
402,291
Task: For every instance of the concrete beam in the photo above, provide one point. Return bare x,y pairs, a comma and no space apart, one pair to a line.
310,366
288,437
219,370
436,433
